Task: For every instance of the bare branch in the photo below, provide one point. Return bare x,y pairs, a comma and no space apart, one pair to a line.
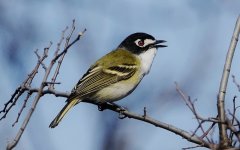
40,90
224,142
233,117
208,130
11,102
188,136
233,129
66,49
199,119
23,106
193,147
236,83
58,49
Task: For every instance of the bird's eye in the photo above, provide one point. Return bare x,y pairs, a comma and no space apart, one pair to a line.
140,43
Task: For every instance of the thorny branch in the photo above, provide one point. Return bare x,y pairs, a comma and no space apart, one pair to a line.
204,140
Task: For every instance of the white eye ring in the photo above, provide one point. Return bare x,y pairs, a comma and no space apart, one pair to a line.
139,43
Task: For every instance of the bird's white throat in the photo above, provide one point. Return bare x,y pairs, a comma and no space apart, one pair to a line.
147,59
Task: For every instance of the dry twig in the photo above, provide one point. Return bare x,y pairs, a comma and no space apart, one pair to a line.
26,85
224,142
200,120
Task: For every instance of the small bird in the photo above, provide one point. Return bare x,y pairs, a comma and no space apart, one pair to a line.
115,75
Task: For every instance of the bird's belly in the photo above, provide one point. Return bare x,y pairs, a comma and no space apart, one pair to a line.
114,92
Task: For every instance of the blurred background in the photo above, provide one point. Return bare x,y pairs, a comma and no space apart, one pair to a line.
198,34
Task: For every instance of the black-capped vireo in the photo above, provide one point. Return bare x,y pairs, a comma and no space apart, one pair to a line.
116,74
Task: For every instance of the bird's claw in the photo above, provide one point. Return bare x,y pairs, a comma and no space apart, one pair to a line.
101,106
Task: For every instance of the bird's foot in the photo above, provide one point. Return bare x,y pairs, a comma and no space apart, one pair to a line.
111,105
102,106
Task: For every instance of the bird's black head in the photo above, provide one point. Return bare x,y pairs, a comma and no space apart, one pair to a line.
140,42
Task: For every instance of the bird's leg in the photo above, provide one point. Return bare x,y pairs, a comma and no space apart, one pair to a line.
108,105
102,106
105,105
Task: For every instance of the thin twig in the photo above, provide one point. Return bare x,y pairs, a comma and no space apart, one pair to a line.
236,119
233,116
13,143
192,147
236,83
11,103
11,100
66,49
26,83
233,129
22,108
208,130
144,112
58,49
191,106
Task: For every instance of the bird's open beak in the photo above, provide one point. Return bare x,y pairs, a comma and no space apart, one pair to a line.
158,45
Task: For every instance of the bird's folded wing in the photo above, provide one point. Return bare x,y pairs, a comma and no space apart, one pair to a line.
98,78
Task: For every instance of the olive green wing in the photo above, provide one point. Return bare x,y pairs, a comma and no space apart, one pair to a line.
98,78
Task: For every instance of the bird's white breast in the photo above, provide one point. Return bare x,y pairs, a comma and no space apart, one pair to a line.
115,91
147,59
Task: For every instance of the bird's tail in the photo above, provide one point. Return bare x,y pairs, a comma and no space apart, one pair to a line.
62,113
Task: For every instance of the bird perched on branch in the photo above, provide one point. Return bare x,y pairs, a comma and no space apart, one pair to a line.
115,75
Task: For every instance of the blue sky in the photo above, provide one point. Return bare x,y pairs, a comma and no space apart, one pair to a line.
198,34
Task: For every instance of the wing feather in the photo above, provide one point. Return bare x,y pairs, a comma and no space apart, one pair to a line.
98,78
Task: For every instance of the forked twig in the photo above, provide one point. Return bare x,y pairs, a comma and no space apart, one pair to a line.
26,86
